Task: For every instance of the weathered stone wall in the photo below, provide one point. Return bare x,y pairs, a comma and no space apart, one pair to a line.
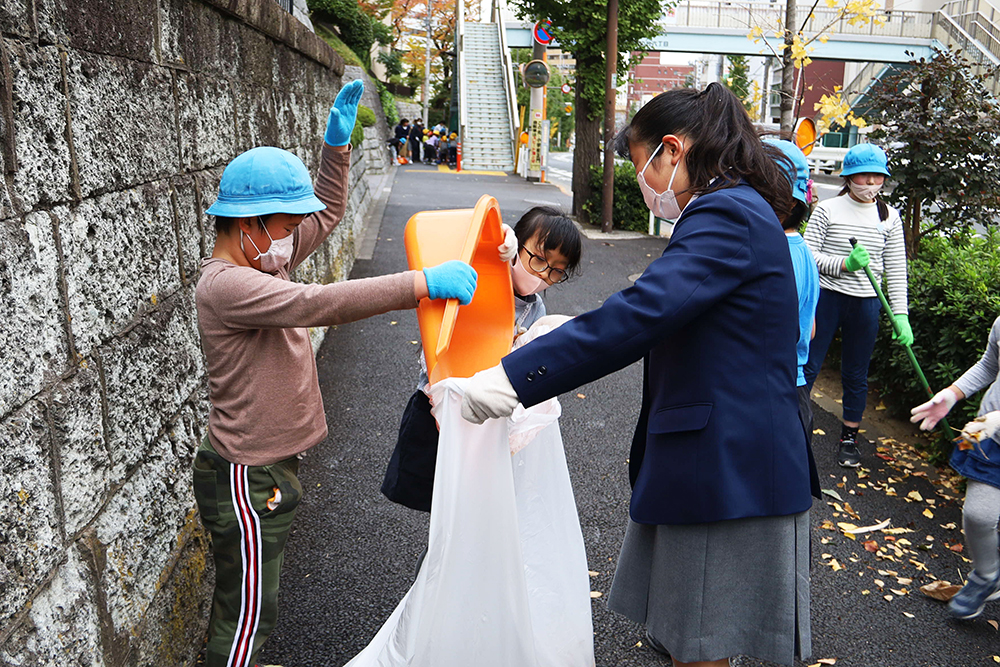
116,119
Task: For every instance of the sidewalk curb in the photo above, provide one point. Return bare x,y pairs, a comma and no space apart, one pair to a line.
373,222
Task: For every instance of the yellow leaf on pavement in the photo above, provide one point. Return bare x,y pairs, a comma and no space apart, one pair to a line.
596,594
818,431
915,495
929,514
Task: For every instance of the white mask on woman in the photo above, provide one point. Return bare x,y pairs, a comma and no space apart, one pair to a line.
864,192
525,282
662,204
278,253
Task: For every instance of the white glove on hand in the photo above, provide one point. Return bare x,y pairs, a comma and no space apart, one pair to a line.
488,395
985,426
934,410
508,249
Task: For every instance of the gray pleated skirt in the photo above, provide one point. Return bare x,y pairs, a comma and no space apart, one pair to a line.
714,590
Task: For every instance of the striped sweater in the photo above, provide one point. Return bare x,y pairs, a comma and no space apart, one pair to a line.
831,226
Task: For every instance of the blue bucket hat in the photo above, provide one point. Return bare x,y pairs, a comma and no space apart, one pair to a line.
262,181
799,173
865,159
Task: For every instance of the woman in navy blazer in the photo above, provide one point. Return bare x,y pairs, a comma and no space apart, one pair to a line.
715,558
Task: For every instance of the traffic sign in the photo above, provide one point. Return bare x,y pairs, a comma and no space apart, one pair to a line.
542,32
566,89
569,108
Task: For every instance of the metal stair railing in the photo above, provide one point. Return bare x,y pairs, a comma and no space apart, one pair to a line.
508,81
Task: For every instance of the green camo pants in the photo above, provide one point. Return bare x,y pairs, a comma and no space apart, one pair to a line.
248,510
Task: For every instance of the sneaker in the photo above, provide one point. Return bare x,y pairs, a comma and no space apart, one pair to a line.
969,602
849,456
656,645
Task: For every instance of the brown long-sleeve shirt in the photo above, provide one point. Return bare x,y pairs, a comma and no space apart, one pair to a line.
262,379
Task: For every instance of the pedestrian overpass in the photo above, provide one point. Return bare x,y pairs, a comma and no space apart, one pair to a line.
723,27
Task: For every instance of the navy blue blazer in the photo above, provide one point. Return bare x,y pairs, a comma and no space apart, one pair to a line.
716,319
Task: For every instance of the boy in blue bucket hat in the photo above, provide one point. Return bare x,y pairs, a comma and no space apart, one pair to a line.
266,407
847,301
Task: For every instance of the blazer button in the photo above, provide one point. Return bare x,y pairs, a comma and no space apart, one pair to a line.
530,376
542,370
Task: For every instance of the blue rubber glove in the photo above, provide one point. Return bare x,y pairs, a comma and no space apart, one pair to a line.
452,280
343,114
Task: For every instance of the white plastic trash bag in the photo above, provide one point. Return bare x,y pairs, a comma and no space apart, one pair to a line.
504,582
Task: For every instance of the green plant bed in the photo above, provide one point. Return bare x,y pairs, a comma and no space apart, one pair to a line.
366,116
628,211
350,58
954,297
357,135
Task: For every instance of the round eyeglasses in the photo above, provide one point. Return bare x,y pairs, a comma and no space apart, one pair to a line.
539,265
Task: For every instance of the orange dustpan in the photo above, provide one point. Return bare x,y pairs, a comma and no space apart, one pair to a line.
460,341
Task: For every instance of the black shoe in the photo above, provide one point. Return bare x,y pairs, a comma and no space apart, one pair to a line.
849,456
655,645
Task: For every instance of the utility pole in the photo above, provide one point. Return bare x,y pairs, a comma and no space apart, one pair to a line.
788,70
611,55
425,97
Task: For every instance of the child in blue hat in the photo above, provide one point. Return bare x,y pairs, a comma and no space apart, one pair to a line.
847,301
266,407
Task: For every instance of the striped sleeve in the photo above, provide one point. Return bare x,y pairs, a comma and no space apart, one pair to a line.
986,369
894,265
819,223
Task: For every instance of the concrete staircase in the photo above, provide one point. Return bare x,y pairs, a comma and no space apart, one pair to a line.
487,142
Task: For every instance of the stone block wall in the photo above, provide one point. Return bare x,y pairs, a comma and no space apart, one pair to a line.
116,119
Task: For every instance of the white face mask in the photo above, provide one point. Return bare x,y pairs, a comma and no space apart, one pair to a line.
525,282
278,253
864,192
662,204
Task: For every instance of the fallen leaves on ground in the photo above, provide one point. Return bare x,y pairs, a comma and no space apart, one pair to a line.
996,626
940,590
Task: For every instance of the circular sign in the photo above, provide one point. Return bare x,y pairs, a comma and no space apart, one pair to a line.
542,32
536,74
524,137
805,135
566,89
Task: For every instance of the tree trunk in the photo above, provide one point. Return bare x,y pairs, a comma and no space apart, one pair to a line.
912,230
586,153
788,72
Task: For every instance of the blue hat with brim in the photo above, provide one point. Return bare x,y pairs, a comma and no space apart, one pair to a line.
263,181
865,159
798,174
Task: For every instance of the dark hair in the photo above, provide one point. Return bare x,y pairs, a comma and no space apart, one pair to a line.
881,206
555,232
799,213
722,143
223,224
404,120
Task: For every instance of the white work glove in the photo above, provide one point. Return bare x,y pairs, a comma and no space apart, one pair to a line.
508,249
488,395
934,410
984,426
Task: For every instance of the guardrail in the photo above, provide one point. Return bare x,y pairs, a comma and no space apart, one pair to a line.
769,18
508,80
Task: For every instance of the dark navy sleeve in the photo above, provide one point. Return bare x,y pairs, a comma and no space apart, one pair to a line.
708,257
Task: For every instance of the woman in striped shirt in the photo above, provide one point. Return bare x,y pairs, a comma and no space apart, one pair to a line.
847,300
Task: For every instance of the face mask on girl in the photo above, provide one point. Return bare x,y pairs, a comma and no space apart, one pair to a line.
278,253
864,192
525,282
662,204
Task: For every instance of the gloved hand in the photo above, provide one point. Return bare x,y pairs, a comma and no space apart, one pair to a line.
452,280
905,336
858,259
934,410
488,395
343,113
984,426
508,249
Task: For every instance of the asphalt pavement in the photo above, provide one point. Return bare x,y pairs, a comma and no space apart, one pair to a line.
352,553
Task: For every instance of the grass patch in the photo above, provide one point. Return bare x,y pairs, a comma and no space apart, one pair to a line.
330,37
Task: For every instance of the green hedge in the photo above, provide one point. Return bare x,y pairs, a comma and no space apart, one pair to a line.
388,104
354,25
366,116
357,135
954,296
628,210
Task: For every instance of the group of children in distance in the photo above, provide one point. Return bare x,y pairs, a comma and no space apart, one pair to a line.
266,407
418,144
